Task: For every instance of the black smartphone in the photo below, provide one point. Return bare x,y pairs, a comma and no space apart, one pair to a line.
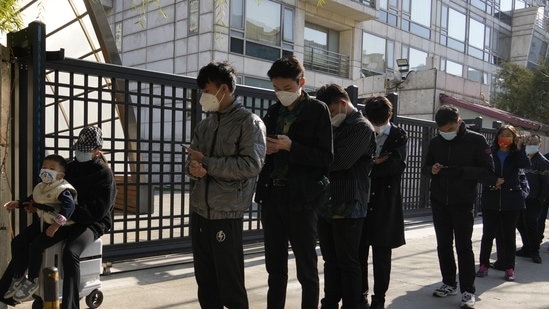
385,154
272,136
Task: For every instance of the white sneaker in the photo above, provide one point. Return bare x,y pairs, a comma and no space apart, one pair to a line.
15,285
467,300
26,291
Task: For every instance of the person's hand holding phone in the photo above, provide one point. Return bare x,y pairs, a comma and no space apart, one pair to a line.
277,142
194,154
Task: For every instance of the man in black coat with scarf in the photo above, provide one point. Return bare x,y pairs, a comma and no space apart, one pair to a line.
384,227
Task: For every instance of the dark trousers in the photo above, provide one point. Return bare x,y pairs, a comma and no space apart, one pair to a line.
381,260
219,262
280,225
542,218
27,248
503,225
339,242
78,240
455,221
527,226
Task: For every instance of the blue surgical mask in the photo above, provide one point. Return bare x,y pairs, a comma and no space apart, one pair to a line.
83,156
448,135
532,149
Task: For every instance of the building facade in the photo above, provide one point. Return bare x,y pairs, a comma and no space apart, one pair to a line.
342,41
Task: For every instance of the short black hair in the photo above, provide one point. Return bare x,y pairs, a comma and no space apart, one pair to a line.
378,109
332,94
446,114
57,158
287,67
217,73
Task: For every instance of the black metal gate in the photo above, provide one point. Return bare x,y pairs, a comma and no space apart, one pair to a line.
144,115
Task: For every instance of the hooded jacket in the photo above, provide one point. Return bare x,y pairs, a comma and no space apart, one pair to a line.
468,159
233,144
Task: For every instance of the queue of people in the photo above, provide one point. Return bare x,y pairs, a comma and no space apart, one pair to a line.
318,169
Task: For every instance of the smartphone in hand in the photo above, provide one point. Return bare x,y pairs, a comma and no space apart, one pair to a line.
273,136
385,154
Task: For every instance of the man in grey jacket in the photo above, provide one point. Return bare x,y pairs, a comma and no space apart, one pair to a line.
225,156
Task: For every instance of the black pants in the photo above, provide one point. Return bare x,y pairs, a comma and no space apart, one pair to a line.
79,239
527,226
381,260
219,262
28,246
503,225
542,218
339,242
449,222
280,225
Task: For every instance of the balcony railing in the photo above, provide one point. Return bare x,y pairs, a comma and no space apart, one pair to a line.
325,61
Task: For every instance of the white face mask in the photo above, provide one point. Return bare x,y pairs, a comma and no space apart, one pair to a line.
48,176
209,101
532,149
380,129
287,98
338,118
448,135
83,156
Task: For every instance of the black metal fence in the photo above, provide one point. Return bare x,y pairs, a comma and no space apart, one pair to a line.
145,116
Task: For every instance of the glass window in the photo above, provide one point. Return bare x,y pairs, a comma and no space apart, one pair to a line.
456,25
316,36
476,34
538,49
288,24
263,22
194,16
373,53
506,5
118,36
390,54
237,14
454,68
474,75
417,60
269,29
479,4
421,12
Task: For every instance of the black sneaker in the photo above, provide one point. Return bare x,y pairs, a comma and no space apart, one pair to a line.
497,266
536,259
523,253
445,290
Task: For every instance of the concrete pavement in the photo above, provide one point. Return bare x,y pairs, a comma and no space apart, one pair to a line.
168,282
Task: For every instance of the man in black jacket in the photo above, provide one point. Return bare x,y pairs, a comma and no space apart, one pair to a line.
341,218
292,184
384,227
456,159
538,179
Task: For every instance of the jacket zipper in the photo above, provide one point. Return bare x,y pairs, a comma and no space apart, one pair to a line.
211,155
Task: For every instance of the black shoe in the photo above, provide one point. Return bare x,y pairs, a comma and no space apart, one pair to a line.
376,304
523,253
497,266
536,259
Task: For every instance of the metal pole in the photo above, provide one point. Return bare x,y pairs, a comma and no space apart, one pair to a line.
50,287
